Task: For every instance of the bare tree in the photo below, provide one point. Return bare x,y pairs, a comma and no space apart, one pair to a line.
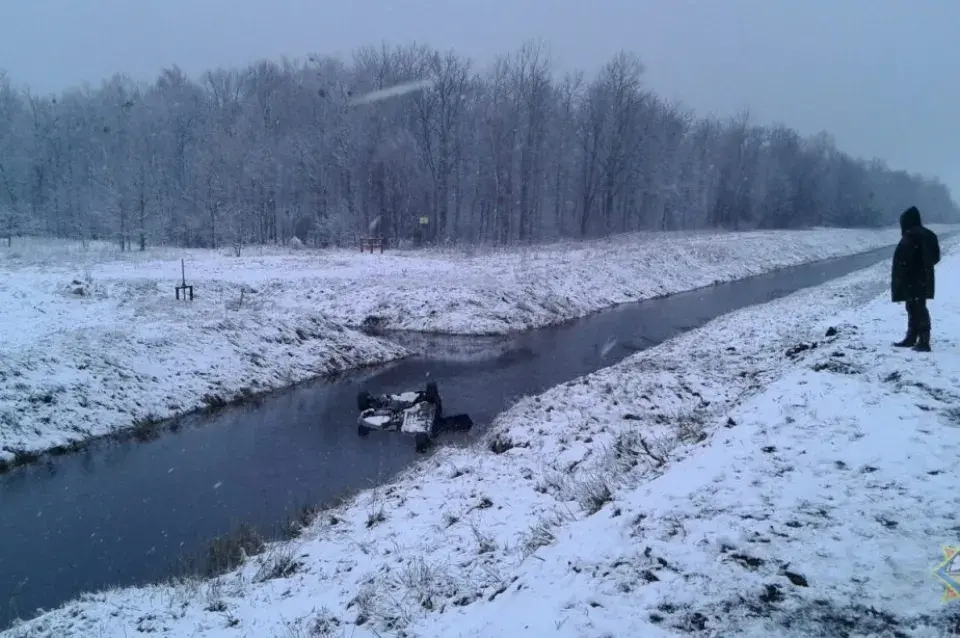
12,165
500,154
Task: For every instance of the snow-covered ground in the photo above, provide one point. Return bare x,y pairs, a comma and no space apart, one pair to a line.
762,476
93,342
87,355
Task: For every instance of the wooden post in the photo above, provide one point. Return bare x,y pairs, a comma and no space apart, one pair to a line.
187,290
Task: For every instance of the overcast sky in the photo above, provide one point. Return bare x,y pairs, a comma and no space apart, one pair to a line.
881,75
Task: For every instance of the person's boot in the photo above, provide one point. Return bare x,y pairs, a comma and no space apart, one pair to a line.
909,341
923,342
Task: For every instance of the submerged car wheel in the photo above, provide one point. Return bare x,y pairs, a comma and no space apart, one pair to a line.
422,441
363,430
432,395
364,400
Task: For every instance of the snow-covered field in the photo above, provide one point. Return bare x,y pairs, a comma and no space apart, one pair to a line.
93,342
761,476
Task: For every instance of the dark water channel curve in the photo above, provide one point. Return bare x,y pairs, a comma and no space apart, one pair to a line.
122,513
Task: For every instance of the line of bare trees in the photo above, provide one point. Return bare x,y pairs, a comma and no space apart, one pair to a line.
508,153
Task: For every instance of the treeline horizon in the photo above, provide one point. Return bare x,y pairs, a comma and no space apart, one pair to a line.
512,152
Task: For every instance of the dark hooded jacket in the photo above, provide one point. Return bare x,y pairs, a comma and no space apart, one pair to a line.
914,258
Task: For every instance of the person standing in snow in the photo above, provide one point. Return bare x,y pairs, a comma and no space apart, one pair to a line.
912,277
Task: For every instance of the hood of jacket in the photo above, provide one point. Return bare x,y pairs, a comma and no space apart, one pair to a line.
910,218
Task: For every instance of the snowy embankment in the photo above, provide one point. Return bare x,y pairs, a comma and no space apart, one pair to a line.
733,481
85,356
499,292
94,343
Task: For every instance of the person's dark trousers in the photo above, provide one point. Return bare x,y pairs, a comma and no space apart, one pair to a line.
918,326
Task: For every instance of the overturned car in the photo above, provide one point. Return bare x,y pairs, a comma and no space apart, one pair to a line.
416,412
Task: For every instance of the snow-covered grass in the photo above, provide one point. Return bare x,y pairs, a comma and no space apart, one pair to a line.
764,475
93,342
473,291
90,354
